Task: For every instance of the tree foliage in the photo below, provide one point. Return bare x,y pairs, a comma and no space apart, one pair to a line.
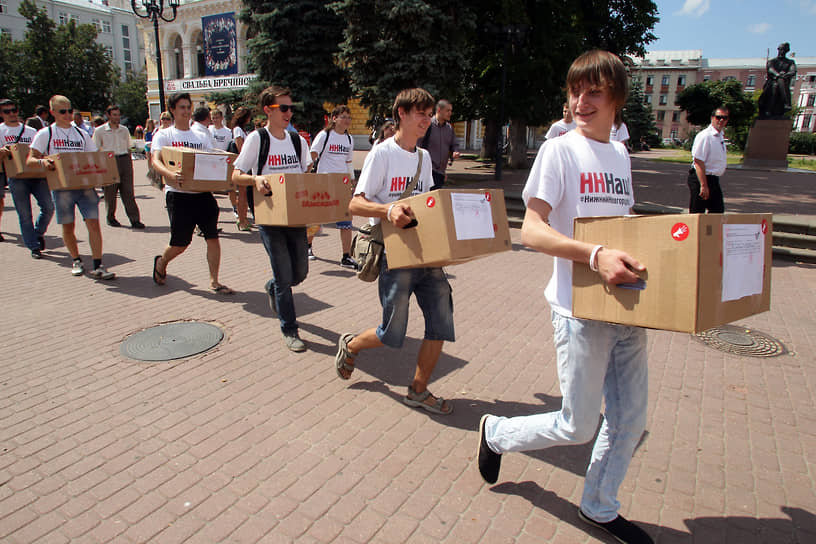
700,99
639,117
294,44
390,45
53,59
129,95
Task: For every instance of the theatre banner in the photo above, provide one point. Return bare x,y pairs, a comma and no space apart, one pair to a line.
220,44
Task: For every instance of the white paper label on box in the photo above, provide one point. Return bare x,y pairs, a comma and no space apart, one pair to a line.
210,167
743,261
472,216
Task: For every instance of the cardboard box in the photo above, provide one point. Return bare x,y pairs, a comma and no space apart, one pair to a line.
203,171
454,226
82,170
298,200
702,270
15,166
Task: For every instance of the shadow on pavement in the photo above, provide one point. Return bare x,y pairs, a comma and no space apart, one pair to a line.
257,302
745,530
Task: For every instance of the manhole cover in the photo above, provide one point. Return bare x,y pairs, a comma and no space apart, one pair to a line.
171,341
741,341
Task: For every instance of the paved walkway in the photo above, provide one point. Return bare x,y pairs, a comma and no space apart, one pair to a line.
252,443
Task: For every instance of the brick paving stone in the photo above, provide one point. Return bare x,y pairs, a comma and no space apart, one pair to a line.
251,443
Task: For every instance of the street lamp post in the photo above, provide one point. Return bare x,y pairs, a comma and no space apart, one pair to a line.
154,10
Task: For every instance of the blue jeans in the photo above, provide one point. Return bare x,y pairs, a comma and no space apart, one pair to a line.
288,255
433,294
21,192
596,361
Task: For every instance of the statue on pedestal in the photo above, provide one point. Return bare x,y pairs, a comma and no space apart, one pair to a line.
775,100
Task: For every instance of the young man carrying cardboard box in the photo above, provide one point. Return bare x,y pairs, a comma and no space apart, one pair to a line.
597,361
388,168
12,131
63,137
186,209
286,246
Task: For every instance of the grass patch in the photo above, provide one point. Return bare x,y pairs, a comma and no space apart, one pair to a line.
684,157
801,162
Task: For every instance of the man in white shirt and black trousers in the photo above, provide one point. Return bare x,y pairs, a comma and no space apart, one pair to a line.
115,138
709,164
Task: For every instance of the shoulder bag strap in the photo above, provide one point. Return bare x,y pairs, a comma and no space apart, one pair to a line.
412,185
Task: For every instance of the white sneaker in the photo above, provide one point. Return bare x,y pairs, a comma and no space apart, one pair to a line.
102,273
77,269
311,255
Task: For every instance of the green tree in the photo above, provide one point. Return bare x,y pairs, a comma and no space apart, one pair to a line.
639,117
62,59
130,96
295,44
700,99
391,45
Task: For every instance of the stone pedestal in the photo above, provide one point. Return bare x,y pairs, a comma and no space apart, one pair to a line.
768,144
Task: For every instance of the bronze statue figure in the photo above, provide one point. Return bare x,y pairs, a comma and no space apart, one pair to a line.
775,100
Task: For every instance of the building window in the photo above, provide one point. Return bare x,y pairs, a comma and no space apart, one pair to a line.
707,77
647,99
751,81
664,99
125,30
661,115
106,27
674,134
806,121
681,81
63,18
729,78
109,51
649,81
3,6
98,24
811,99
675,116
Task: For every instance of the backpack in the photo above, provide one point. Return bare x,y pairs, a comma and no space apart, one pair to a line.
264,148
48,146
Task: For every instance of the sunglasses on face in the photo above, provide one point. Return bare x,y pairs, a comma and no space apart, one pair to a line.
63,112
13,110
721,117
284,107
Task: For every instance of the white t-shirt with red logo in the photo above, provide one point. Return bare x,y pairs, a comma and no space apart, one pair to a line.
63,140
559,128
578,177
8,135
338,152
387,170
220,137
173,137
281,159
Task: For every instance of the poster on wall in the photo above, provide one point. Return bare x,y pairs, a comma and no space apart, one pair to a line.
220,44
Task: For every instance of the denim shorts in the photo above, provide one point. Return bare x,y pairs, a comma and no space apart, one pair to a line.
87,200
433,294
343,225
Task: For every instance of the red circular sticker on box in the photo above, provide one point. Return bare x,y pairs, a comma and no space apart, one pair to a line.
431,202
764,226
345,180
488,197
495,227
110,154
680,231
280,179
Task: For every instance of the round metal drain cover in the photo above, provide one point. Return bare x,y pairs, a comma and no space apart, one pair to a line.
741,341
171,341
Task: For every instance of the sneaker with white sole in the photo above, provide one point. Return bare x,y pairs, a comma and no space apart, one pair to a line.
348,262
77,269
294,343
311,255
102,273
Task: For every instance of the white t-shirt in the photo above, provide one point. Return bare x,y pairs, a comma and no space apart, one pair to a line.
202,131
387,170
281,159
709,147
559,128
173,137
8,135
63,140
238,132
337,154
578,177
220,137
619,134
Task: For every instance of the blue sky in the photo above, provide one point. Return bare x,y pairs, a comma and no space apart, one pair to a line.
736,28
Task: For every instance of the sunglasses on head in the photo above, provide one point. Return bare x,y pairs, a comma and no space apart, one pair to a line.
721,117
13,110
63,112
284,107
